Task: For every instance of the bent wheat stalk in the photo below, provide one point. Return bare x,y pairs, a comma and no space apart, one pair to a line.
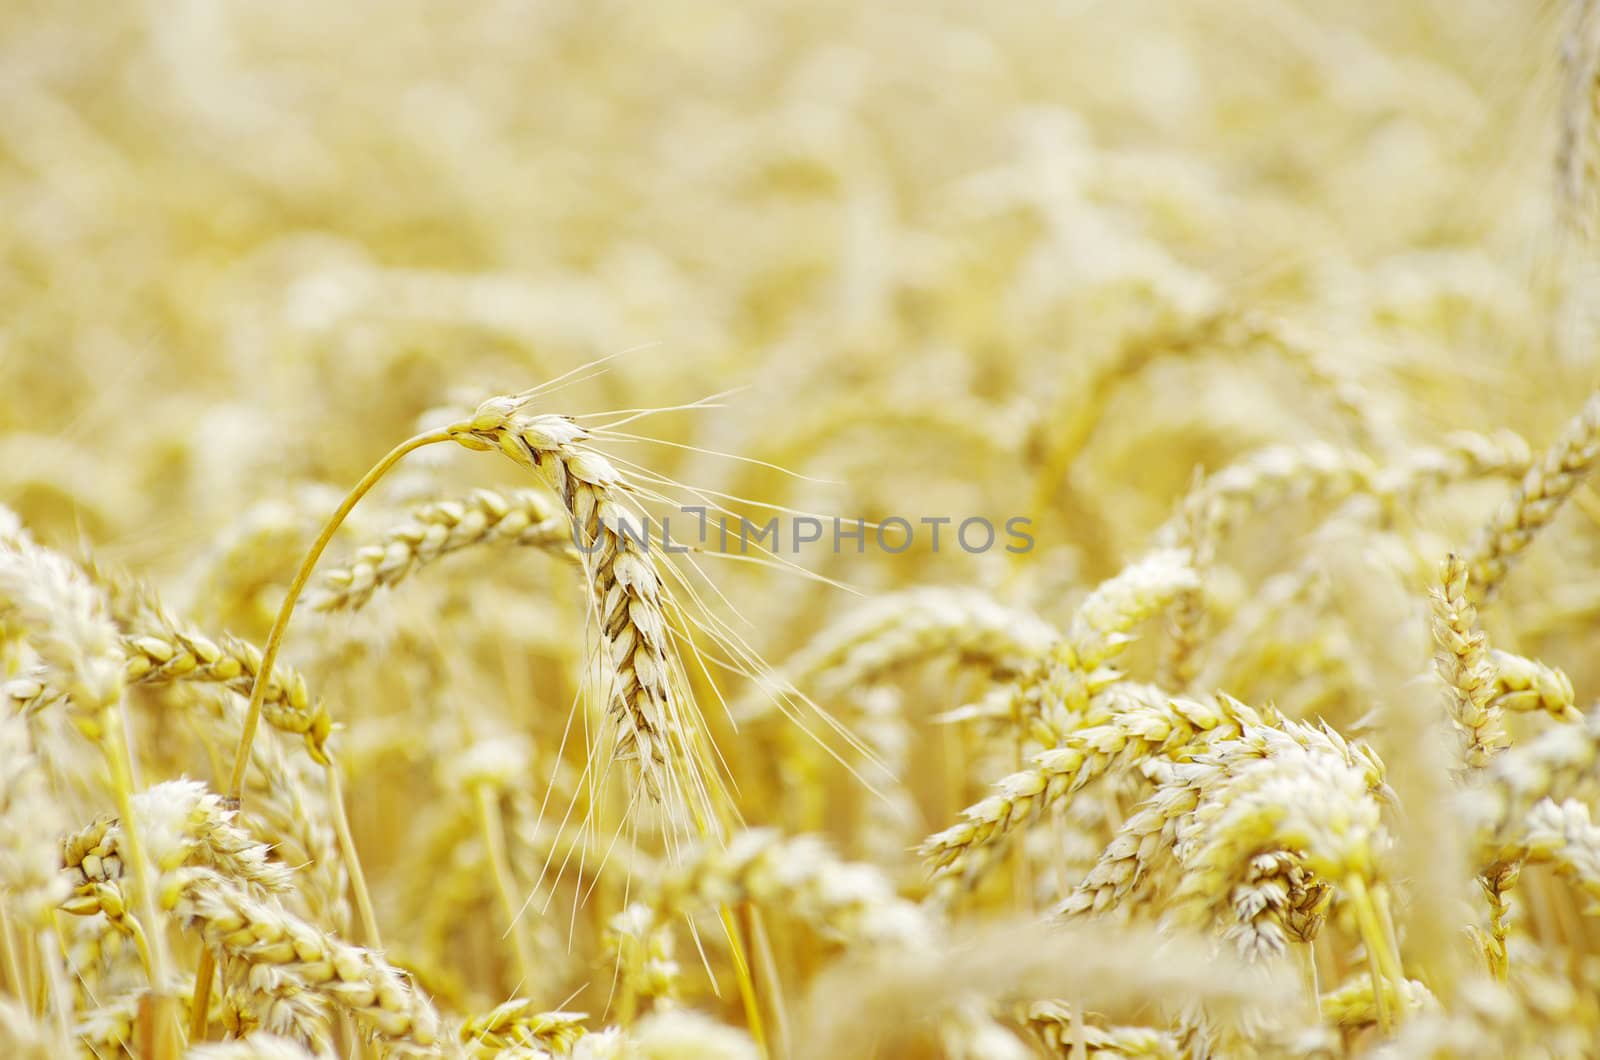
280,626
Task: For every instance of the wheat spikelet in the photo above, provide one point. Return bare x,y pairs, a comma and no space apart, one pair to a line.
524,518
185,825
1101,626
1165,825
1278,901
1053,695
645,954
28,693
1148,833
289,810
1523,685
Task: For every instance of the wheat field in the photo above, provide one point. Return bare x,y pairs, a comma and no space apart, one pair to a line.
799,529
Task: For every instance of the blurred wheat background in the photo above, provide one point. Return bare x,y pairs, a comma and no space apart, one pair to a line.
1277,320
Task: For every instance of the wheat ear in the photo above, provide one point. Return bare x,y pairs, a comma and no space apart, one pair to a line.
904,628
280,626
1562,834
165,652
1545,488
1463,664
1058,1027
525,518
658,726
74,636
1142,730
1552,765
286,955
849,901
519,1025
1578,154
